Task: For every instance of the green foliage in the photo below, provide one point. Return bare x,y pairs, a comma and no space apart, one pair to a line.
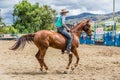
12,30
8,30
31,18
119,19
4,30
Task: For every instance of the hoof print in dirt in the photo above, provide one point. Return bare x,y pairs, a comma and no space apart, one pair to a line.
65,72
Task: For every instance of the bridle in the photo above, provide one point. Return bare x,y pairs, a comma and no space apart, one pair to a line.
86,28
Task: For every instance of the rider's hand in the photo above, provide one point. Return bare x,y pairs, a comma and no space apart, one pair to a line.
68,29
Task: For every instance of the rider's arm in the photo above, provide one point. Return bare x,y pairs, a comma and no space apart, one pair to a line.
63,23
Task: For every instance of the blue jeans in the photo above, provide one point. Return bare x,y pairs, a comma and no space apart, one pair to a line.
63,31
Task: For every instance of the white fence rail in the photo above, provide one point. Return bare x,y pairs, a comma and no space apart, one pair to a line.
9,36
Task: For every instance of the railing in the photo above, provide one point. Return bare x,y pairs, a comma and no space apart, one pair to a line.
107,40
9,36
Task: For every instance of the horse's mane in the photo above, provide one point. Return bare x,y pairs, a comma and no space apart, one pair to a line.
78,24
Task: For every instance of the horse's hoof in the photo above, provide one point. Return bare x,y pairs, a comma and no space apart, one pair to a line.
62,53
72,68
65,72
67,67
41,69
76,65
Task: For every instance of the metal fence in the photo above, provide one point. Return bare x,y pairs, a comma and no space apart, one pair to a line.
107,39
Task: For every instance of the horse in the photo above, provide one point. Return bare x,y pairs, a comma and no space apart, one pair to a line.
47,38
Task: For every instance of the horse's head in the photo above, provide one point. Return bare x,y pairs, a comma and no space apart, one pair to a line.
86,27
83,25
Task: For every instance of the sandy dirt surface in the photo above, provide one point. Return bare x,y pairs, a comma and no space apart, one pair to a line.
96,63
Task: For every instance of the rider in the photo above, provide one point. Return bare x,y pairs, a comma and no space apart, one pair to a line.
63,28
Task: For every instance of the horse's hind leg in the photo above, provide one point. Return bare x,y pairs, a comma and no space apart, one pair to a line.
42,55
39,58
44,52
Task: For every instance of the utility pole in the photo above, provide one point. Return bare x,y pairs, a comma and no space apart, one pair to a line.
113,20
113,9
0,16
0,12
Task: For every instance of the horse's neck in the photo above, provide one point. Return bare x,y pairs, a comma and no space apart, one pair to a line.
78,34
77,31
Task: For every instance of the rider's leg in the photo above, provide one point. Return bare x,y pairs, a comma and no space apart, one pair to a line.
69,42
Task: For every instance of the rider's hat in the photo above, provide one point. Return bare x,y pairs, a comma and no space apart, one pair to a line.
64,11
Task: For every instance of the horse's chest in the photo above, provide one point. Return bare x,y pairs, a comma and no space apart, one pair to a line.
76,41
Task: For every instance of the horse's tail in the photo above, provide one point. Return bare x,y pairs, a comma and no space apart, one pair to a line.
22,41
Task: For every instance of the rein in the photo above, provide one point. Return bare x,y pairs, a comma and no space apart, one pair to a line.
75,31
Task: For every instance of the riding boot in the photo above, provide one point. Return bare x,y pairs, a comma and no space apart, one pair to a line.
69,52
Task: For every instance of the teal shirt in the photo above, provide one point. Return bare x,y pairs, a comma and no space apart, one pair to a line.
59,22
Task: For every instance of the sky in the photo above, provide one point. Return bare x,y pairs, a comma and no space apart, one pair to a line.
75,7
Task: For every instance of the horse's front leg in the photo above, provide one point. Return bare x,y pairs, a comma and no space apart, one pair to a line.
76,55
70,61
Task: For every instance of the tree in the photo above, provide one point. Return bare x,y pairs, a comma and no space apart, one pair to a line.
1,23
8,30
119,19
31,18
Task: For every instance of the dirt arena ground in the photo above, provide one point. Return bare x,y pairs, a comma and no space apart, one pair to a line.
96,63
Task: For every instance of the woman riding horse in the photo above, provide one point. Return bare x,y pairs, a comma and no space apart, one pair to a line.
63,28
46,38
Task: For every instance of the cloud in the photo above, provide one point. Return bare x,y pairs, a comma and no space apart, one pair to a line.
74,6
7,10
7,15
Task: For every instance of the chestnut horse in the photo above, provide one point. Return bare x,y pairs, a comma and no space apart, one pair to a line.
46,38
